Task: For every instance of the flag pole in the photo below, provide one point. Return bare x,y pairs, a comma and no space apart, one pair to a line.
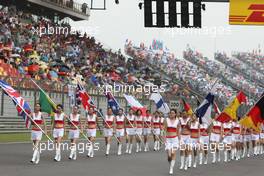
27,114
66,115
102,116
153,132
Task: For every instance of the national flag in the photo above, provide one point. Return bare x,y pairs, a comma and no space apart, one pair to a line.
203,112
84,97
112,102
255,116
46,104
187,107
135,104
22,106
230,112
94,80
160,104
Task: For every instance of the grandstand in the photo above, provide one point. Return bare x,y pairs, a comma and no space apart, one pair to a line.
56,61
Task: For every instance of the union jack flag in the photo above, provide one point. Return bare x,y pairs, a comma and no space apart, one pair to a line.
21,105
84,98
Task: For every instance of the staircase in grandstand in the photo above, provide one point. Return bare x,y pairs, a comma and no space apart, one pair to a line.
14,124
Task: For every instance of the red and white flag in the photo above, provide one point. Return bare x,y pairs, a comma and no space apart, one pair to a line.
135,104
84,97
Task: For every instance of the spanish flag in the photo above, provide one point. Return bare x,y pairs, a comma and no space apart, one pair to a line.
230,112
187,107
255,116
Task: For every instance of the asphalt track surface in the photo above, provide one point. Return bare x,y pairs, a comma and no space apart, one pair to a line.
14,161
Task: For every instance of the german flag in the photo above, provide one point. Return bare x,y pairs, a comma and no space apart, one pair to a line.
255,116
230,112
187,107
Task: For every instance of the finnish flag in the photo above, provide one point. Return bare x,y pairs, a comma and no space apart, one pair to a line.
203,112
160,104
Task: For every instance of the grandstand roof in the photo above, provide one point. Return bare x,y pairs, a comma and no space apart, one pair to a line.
52,8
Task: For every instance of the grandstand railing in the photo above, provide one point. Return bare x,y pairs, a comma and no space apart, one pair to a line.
71,5
59,91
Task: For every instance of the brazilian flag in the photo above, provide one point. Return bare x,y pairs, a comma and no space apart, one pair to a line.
46,104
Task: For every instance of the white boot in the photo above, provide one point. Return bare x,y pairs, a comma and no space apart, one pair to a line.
137,150
190,161
195,162
258,151
35,153
206,159
233,154
140,147
89,151
107,149
59,155
158,145
219,156
74,153
155,146
37,158
255,150
172,163
146,147
238,154
214,157
186,163
56,155
244,152
248,153
225,153
182,162
228,156
130,148
119,149
71,153
200,158
127,147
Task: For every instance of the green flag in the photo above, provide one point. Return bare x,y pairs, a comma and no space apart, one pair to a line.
46,103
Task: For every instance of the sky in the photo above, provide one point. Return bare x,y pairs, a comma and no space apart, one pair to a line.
126,21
